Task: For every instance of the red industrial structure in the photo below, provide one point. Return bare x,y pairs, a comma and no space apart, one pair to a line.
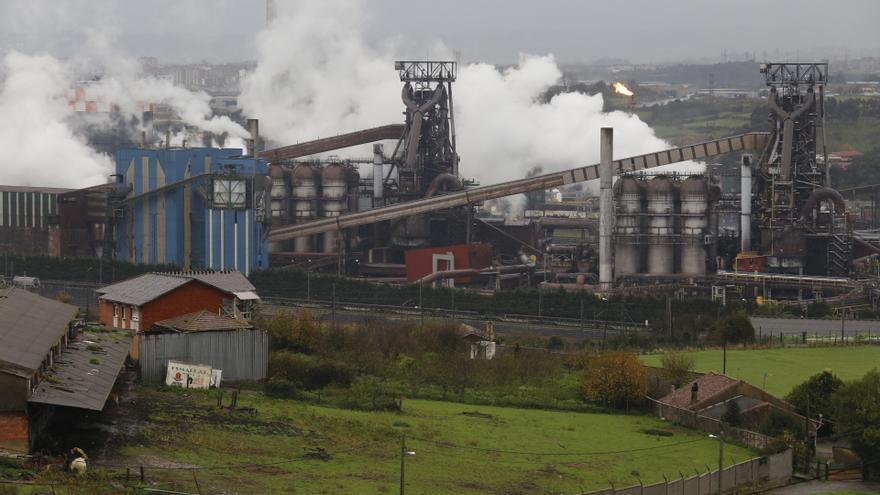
422,262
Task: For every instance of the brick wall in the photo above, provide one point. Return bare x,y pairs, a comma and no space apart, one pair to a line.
14,431
194,296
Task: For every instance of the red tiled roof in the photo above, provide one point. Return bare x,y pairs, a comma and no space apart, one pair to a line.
710,385
203,321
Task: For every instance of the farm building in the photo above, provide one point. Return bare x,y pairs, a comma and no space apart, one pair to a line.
138,303
46,364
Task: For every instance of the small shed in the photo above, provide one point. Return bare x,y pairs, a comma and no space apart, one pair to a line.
226,343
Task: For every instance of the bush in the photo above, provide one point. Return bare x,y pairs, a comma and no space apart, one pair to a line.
732,414
308,373
735,329
293,331
677,366
777,423
615,378
369,394
282,389
815,395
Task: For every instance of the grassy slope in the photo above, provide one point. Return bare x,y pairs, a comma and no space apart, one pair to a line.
786,367
365,448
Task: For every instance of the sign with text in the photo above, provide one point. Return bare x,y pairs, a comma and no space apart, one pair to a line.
188,375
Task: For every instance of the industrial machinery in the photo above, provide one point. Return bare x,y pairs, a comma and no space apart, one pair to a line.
800,221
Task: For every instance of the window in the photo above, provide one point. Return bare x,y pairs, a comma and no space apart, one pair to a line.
135,314
123,313
115,310
230,193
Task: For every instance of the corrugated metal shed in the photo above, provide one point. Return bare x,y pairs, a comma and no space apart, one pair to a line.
143,289
29,326
243,355
84,374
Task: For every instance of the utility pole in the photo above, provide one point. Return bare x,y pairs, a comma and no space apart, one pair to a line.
540,301
421,306
308,285
724,353
402,461
333,305
842,324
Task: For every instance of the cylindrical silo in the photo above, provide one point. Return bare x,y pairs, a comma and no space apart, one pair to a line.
660,208
334,191
693,225
628,192
304,193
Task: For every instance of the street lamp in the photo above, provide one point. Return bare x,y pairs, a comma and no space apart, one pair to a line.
403,453
720,458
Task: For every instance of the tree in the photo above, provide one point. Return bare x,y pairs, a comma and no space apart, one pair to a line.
615,378
735,329
814,396
677,366
856,408
731,415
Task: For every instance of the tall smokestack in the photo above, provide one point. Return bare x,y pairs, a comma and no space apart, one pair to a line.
745,204
253,127
378,174
606,207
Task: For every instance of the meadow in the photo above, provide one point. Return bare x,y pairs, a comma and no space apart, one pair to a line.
287,446
785,367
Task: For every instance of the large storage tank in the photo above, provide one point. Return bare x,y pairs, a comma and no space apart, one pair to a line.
660,239
304,193
334,191
693,225
628,192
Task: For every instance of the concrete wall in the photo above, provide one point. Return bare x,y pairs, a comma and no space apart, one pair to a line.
692,419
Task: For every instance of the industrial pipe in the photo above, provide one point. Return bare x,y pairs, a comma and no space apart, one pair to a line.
449,181
470,272
753,141
825,193
745,205
606,207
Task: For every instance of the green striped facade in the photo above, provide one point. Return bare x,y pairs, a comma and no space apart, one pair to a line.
27,208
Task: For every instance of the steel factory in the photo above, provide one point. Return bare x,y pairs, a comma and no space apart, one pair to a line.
769,228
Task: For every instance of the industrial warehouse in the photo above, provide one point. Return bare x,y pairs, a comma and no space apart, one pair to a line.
337,246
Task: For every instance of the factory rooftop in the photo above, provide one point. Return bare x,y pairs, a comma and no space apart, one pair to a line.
29,326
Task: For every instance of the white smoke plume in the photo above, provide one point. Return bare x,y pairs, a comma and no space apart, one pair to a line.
37,128
41,148
316,77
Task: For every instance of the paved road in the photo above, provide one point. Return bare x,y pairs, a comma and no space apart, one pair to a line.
794,326
812,487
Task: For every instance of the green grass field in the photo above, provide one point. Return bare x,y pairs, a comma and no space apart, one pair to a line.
459,448
786,367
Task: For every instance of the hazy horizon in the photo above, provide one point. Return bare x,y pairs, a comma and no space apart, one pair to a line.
494,31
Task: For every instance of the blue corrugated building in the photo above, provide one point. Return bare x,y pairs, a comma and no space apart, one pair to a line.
197,208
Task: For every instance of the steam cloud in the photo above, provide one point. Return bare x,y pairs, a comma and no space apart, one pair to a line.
327,80
42,149
38,130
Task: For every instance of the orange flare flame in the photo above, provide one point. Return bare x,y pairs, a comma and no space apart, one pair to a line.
619,88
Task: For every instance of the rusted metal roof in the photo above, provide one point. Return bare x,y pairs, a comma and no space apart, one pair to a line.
29,326
203,321
85,372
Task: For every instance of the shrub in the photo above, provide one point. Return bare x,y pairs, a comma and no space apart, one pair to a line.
64,297
732,414
776,423
282,388
677,366
615,378
735,328
814,396
369,394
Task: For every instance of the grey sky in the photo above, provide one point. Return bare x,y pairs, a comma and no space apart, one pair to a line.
489,30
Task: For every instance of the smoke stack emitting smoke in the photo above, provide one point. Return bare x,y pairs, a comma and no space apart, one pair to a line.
317,77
